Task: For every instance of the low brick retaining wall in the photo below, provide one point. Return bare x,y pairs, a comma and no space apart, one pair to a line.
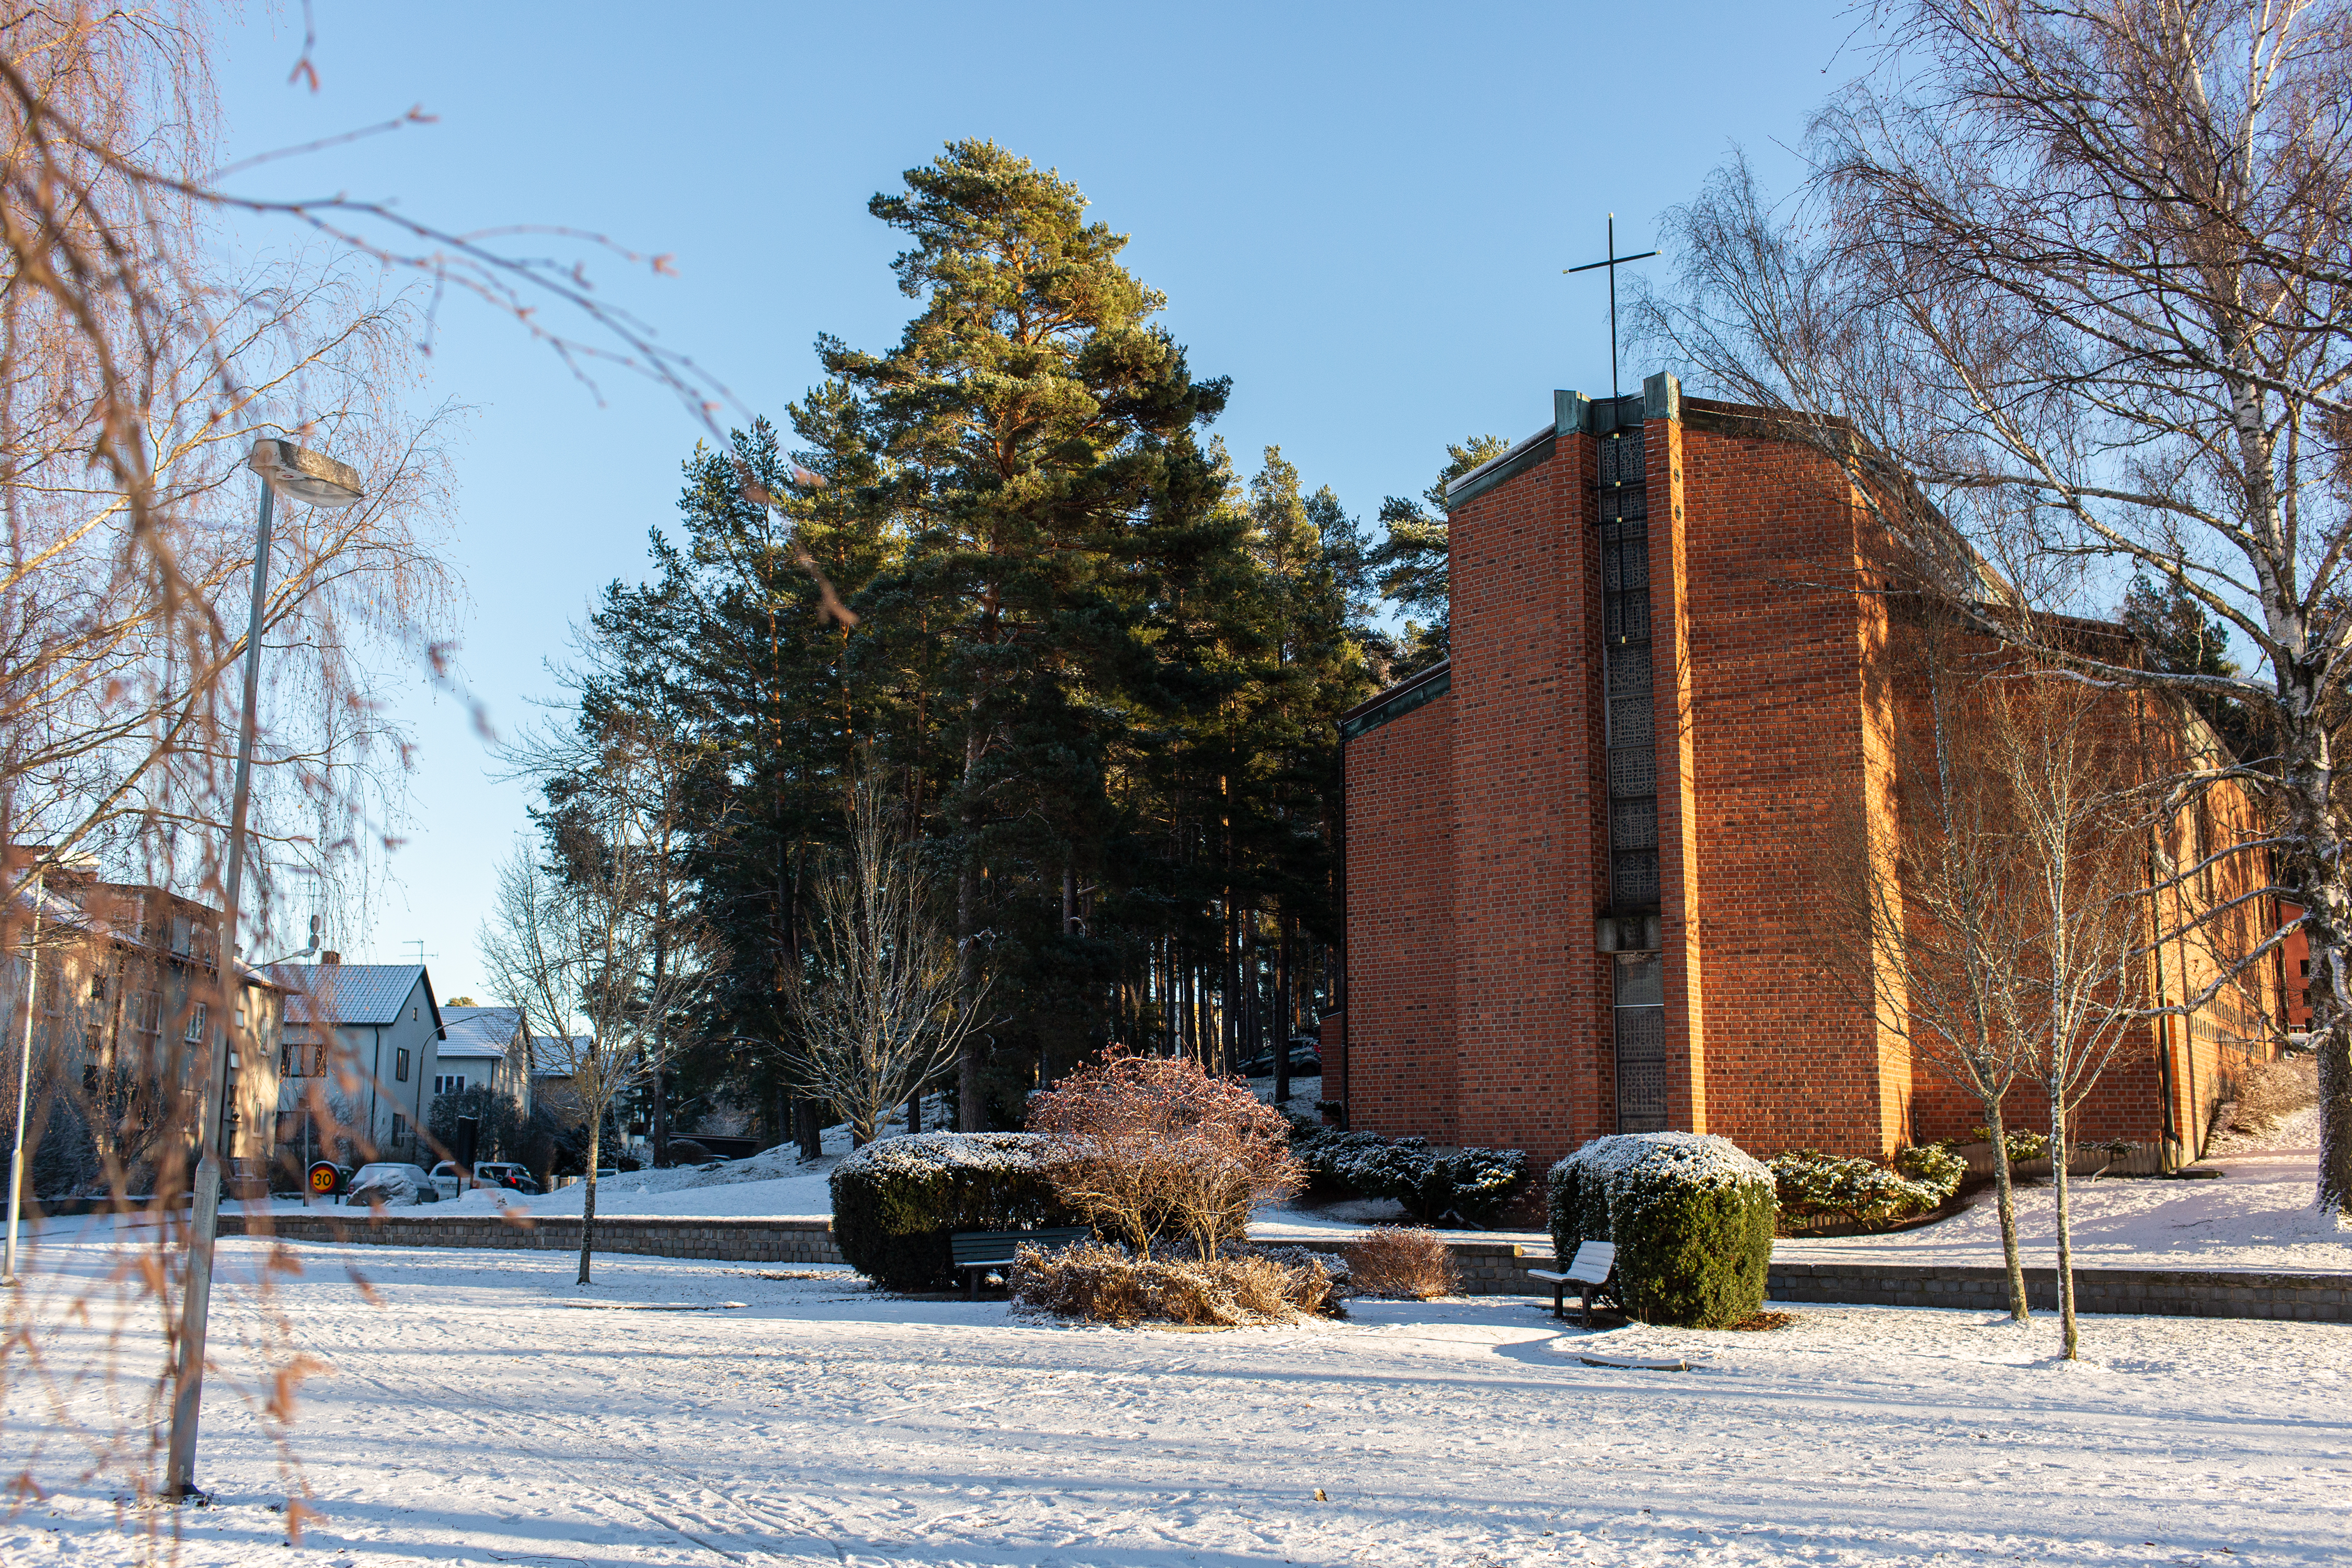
1487,1268
2166,1292
732,1240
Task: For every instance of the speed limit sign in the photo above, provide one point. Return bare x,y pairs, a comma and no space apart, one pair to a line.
325,1177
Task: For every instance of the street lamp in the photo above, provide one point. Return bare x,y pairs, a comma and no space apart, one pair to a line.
320,480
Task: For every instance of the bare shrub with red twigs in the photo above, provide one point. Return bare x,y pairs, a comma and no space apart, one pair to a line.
1404,1262
1159,1150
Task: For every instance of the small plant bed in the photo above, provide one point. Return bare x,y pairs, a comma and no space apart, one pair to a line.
1403,1263
1099,1283
1831,1195
1762,1323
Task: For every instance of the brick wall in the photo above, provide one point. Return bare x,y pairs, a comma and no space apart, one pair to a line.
1530,1010
1786,735
732,1240
1479,1009
1398,1069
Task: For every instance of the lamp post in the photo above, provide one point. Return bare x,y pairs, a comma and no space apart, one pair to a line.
305,476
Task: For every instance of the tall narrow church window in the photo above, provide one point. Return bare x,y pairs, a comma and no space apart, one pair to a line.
1640,1019
1628,709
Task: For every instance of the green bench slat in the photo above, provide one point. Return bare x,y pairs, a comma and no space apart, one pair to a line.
986,1248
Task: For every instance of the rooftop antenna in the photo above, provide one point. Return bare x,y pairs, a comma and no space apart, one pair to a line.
1613,263
418,943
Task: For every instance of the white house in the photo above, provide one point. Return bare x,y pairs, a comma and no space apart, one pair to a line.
364,1037
484,1047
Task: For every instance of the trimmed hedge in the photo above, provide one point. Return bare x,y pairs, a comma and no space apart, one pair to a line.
896,1200
1814,1186
1471,1186
1692,1218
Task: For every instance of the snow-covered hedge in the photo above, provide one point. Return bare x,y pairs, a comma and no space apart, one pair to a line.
896,1200
1814,1186
1691,1215
2022,1146
1470,1187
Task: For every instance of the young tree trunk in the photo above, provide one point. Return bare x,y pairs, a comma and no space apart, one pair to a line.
661,1119
2058,1161
588,1205
1281,1025
2005,1202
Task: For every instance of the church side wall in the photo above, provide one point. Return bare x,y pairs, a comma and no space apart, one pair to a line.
1399,1065
1531,1007
1781,751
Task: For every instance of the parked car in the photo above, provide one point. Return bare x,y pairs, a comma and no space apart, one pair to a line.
1305,1061
390,1183
503,1174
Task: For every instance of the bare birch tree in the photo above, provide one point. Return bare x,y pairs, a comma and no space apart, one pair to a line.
2077,988
1924,926
591,946
883,1001
2078,276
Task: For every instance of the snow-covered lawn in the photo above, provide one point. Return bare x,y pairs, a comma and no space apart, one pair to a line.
475,1411
2257,1214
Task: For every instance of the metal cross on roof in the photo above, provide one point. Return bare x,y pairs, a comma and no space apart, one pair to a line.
1613,263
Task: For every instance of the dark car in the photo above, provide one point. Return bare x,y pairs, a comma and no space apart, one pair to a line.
1305,1061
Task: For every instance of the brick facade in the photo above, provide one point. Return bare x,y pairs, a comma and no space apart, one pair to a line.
1480,823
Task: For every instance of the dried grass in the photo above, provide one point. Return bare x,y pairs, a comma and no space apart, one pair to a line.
1098,1283
1762,1323
2273,1091
1404,1262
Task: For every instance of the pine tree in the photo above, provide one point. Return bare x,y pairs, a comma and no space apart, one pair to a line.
1033,418
1411,558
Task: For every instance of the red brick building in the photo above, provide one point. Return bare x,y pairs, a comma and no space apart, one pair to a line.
1578,853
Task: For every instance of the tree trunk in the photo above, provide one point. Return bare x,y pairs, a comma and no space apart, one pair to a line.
2058,1161
806,1128
661,1119
588,1205
971,1055
1282,1027
2005,1203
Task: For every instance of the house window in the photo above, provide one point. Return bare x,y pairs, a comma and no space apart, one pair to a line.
399,1128
196,1023
399,1065
449,1083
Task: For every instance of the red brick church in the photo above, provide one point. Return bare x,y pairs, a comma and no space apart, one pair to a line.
1578,852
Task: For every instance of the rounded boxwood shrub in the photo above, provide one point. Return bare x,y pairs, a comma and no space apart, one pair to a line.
1692,1218
896,1200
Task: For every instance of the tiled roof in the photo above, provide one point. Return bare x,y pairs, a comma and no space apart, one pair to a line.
479,1031
347,993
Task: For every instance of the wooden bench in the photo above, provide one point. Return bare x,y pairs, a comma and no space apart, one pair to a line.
978,1251
1594,1268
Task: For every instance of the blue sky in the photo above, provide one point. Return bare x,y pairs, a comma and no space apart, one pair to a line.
1357,213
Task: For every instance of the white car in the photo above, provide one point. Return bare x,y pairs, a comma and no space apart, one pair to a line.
390,1183
500,1173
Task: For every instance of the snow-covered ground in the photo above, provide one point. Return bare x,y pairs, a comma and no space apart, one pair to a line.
475,1409
2257,1214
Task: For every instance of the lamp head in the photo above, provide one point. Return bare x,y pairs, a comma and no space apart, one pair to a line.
305,474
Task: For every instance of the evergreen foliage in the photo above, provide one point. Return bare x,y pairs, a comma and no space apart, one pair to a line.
1812,1185
896,1202
1468,1187
1412,559
1098,666
1692,1218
